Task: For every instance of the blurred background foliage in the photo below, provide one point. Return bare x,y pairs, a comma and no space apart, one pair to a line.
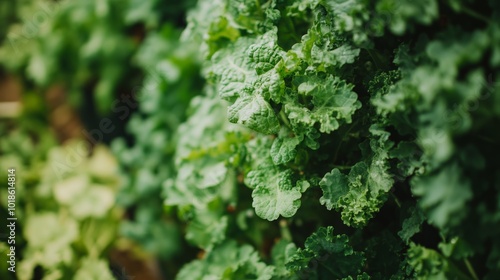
64,67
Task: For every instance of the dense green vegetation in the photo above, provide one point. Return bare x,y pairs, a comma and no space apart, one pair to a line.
281,139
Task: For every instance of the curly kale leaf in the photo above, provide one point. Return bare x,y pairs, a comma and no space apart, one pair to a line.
350,194
332,102
361,193
327,256
244,75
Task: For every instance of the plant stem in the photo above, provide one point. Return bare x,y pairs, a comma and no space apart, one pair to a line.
456,271
396,199
471,270
285,119
475,15
285,231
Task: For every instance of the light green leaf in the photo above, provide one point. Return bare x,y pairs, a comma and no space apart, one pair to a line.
255,113
269,85
231,69
243,74
58,231
282,253
95,202
208,226
333,102
266,53
93,269
344,54
283,149
68,190
274,194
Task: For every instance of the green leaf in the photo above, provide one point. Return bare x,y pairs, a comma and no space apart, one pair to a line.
403,13
281,254
96,202
344,54
208,226
357,195
284,147
269,85
333,102
227,261
443,195
258,156
51,247
242,73
266,53
53,236
254,112
231,69
93,269
274,193
412,224
202,151
245,13
427,263
335,186
327,256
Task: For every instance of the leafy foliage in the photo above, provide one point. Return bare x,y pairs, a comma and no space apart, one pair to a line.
228,261
171,67
80,44
327,257
338,98
264,125
64,206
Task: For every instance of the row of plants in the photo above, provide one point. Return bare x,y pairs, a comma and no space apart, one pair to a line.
290,139
337,140
67,182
